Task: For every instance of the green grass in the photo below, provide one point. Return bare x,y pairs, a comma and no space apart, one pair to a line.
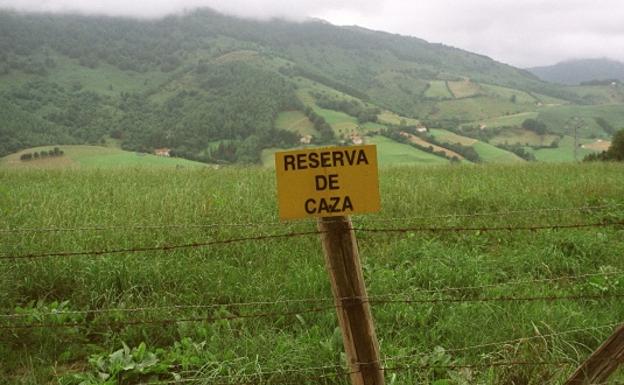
451,137
487,152
523,137
508,93
564,152
514,120
464,88
372,126
394,153
494,264
438,90
600,94
389,117
556,119
295,121
267,157
477,108
492,154
92,157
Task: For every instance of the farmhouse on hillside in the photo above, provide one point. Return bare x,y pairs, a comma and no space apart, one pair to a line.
162,152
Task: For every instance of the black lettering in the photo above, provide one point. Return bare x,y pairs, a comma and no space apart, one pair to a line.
289,160
313,159
351,158
307,206
326,159
362,157
347,204
338,158
301,161
323,206
332,181
321,182
334,204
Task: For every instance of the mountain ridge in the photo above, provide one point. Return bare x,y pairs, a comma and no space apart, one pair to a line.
211,87
578,71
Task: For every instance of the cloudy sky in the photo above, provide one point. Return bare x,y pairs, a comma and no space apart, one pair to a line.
519,32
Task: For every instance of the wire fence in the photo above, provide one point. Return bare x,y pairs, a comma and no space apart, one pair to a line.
275,223
31,319
345,302
141,249
381,298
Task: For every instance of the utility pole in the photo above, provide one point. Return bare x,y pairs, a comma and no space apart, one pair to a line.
576,123
575,143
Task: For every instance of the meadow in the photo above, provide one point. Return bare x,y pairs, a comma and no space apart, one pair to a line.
81,156
461,306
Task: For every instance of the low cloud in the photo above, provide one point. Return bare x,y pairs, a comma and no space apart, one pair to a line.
260,9
522,33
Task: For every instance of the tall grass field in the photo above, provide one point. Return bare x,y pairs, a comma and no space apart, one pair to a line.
470,294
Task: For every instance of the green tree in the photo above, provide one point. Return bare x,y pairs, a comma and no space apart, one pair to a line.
616,150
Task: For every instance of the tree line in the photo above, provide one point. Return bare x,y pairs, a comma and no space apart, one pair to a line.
56,152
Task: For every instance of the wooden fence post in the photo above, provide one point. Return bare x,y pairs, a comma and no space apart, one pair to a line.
354,315
602,363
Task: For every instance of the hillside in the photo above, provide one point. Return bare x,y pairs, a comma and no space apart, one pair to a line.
78,156
575,72
219,89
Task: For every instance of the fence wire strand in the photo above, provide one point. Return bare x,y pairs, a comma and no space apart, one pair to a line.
106,227
266,302
345,303
308,233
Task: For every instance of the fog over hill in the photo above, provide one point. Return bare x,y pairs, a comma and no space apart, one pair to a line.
216,88
581,70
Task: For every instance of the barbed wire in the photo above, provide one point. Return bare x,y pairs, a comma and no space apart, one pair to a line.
492,214
339,370
170,307
509,283
549,298
122,323
103,227
161,248
346,302
511,341
488,229
266,302
306,233
398,368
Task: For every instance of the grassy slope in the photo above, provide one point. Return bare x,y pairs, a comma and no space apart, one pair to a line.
508,120
463,88
477,108
438,89
492,154
295,121
523,137
508,93
487,152
557,117
92,157
394,153
563,153
292,269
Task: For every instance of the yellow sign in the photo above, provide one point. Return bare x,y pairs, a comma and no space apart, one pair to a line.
327,182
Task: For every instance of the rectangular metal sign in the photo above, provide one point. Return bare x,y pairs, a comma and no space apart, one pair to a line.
325,182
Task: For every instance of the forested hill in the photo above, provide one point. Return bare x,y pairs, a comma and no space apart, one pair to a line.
211,87
581,71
